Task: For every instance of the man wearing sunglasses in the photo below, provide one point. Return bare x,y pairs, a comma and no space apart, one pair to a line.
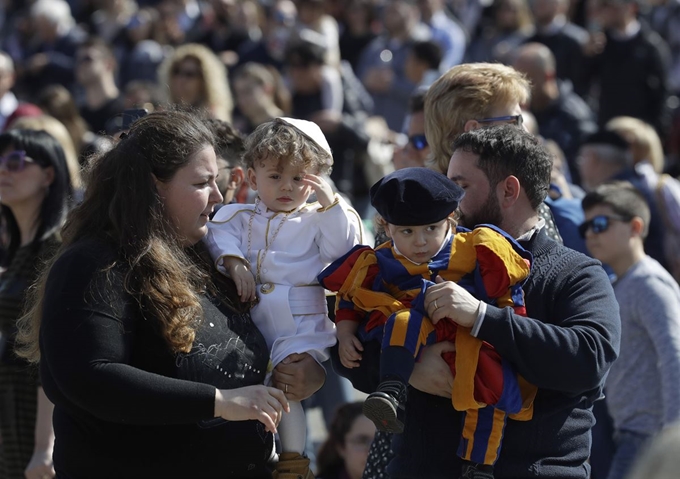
643,385
416,151
604,156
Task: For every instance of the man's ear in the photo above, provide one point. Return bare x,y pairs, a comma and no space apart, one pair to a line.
237,177
508,191
252,179
471,125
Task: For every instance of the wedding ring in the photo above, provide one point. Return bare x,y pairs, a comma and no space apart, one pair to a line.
435,305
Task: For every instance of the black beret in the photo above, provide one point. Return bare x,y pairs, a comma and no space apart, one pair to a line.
606,137
415,196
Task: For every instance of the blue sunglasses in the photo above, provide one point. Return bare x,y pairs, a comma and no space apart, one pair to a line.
418,142
599,224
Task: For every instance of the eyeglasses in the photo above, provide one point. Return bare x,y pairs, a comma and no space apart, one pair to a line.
516,119
185,73
418,142
599,224
15,161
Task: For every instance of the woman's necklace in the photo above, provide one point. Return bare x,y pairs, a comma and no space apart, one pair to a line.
266,287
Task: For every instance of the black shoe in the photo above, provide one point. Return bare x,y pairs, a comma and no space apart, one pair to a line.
476,471
385,407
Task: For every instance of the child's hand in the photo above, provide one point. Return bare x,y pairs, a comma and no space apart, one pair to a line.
349,348
324,192
243,278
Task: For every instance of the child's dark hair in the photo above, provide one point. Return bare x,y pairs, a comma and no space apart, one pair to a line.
428,52
328,459
282,142
624,200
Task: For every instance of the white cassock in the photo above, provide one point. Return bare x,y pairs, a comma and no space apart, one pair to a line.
292,313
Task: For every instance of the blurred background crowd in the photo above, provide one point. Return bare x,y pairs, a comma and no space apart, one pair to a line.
359,69
351,66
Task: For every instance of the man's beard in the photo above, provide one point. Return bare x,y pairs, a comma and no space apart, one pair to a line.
488,213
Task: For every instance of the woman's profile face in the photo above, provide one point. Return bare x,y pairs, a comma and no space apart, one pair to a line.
22,181
357,444
190,196
186,82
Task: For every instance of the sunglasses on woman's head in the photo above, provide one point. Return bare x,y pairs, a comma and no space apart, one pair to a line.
15,161
418,142
599,224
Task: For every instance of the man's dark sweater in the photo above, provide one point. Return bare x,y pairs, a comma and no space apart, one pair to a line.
566,350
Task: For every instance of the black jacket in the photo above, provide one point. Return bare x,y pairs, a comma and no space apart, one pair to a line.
632,76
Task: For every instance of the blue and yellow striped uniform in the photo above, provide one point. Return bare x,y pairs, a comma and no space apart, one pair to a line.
385,292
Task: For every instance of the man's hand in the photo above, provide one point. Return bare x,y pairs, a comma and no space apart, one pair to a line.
302,375
447,299
432,374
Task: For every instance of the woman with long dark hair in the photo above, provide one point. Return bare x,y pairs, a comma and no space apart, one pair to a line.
154,367
34,190
344,454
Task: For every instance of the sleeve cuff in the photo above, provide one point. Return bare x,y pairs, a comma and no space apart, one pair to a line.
326,208
480,319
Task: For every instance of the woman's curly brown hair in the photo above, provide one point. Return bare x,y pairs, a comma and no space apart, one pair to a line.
122,207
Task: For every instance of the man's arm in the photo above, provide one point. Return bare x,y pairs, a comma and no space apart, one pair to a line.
573,350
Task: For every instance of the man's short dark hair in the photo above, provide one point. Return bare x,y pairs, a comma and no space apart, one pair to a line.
508,150
416,102
623,198
304,52
229,143
428,52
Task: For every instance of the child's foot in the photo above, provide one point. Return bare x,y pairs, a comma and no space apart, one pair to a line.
476,471
385,407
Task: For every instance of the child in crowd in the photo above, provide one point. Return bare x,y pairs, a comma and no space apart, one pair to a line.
381,296
643,385
275,248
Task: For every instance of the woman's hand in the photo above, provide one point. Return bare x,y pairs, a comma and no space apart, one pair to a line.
432,374
40,465
299,376
262,403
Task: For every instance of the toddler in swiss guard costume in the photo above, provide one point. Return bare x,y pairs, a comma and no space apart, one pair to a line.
380,296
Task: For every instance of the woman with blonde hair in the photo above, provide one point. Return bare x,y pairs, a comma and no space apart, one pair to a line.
196,78
645,143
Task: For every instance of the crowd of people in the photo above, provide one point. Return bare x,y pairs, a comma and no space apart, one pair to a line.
487,192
